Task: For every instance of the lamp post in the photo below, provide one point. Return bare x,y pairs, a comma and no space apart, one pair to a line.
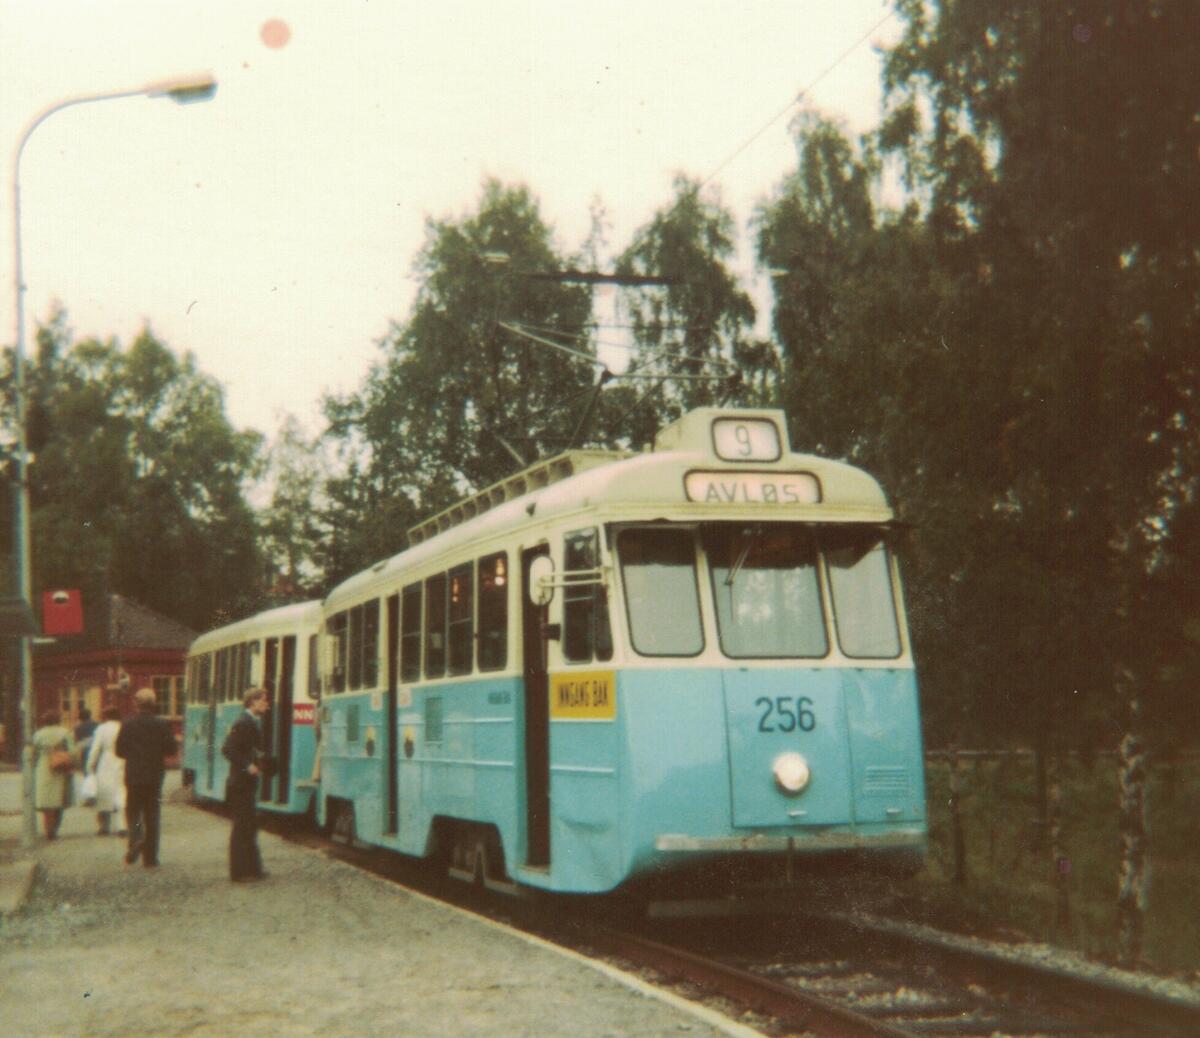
182,91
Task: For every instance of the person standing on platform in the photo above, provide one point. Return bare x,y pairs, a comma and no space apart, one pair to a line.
51,786
145,742
84,731
109,769
242,750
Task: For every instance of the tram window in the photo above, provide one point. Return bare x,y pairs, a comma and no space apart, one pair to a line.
204,682
764,584
410,634
658,567
586,632
354,663
363,642
462,614
222,662
238,683
493,612
370,664
435,626
337,633
252,651
863,602
314,677
231,673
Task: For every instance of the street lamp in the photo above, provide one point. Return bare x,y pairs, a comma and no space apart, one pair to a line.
182,91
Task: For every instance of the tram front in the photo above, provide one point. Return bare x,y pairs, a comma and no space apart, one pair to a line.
771,708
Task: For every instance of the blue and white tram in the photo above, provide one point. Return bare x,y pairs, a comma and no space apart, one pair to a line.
276,650
610,668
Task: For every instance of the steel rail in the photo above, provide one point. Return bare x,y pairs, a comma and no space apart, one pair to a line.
796,1008
1102,997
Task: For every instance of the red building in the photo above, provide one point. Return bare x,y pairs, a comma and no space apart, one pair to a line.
124,646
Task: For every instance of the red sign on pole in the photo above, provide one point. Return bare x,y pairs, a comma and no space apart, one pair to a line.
62,612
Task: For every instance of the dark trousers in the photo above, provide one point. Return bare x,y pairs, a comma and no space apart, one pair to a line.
141,819
244,859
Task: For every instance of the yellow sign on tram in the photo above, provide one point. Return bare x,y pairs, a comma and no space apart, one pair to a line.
584,695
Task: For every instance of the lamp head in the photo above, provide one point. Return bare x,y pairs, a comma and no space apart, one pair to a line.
187,90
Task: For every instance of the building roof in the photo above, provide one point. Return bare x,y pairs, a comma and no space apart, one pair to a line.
116,622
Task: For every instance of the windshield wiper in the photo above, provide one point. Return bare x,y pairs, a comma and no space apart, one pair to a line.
751,535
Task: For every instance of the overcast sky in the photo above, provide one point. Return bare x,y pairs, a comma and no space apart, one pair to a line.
271,231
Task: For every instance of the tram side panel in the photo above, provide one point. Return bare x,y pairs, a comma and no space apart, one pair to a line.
587,764
883,713
675,761
195,747
457,760
350,761
460,760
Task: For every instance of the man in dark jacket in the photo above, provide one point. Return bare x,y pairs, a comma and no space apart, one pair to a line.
145,742
242,750
83,733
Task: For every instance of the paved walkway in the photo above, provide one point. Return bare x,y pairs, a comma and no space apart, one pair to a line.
99,948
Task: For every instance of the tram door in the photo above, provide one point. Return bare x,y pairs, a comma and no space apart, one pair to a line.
279,667
537,719
210,716
282,751
392,756
267,721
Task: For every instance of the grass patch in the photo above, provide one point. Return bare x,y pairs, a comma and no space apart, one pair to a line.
1011,886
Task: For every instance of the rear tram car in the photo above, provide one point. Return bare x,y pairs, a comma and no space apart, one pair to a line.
275,650
612,668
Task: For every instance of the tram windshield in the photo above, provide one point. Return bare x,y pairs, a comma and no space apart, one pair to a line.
766,591
861,584
658,567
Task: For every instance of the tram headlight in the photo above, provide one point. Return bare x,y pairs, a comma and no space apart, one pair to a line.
791,773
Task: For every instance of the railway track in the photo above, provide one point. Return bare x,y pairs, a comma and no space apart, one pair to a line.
828,976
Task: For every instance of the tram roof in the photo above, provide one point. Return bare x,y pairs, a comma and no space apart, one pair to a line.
665,482
280,619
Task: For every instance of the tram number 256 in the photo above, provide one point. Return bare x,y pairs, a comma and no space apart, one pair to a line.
785,714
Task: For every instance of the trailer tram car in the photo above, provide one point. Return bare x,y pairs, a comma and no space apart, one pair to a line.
276,650
610,669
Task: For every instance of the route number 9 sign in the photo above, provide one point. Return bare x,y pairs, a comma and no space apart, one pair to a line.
746,439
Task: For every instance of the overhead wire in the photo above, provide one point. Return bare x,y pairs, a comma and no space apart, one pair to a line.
596,362
799,97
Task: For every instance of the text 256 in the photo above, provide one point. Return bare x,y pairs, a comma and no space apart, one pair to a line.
785,714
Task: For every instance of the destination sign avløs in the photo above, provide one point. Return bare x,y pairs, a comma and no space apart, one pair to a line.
753,488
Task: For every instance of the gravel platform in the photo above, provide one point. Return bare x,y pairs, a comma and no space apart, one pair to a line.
101,948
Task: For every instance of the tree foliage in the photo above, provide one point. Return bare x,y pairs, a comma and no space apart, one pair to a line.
457,402
1060,142
137,486
698,328
1013,351
291,532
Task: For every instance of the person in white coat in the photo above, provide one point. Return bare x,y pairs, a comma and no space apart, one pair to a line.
109,769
